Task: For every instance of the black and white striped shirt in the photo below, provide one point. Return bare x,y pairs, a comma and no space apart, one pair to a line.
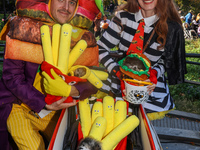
120,33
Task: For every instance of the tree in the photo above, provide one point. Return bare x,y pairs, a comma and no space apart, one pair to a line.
186,5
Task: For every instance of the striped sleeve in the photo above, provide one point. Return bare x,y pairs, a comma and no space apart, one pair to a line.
109,40
159,67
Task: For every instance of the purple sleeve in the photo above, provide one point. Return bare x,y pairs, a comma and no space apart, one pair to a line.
85,89
18,76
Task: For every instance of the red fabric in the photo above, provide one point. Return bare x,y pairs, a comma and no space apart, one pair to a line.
153,76
30,4
122,144
51,144
90,7
137,42
80,133
49,99
118,74
122,87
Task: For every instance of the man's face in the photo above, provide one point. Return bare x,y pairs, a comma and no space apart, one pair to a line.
63,10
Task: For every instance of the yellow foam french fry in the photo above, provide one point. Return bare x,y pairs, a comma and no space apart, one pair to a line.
64,49
98,128
55,42
46,44
102,75
93,79
120,112
85,116
108,113
76,52
121,131
97,110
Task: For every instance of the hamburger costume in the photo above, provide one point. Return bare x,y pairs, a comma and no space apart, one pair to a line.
23,55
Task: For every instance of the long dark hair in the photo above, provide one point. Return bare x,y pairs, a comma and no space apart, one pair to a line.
166,11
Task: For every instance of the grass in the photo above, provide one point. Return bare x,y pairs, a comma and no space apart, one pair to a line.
187,96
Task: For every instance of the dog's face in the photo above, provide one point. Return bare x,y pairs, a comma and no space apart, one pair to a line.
134,63
89,144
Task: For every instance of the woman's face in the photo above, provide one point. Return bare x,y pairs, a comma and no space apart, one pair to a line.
147,7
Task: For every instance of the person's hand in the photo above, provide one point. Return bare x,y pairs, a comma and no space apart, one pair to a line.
56,86
60,104
150,88
124,94
153,76
119,74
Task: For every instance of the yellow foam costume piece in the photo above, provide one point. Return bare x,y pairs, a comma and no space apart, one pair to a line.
158,115
46,44
120,112
98,128
121,131
55,42
76,52
99,95
108,113
52,86
93,79
97,110
85,116
90,76
123,125
64,49
102,75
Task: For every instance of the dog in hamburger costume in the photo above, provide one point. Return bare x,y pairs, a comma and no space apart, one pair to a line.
135,75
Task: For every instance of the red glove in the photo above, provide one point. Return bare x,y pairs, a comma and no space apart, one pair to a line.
49,99
153,76
119,74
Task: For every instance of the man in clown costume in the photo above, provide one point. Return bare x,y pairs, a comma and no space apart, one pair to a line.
20,98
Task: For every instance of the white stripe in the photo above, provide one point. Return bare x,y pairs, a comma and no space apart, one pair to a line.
105,87
153,107
111,66
102,55
155,46
152,57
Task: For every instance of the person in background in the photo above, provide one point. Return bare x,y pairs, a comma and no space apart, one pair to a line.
104,24
97,29
111,7
166,50
198,18
21,102
188,18
182,19
198,31
193,27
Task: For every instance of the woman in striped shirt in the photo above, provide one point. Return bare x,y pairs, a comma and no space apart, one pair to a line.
166,50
